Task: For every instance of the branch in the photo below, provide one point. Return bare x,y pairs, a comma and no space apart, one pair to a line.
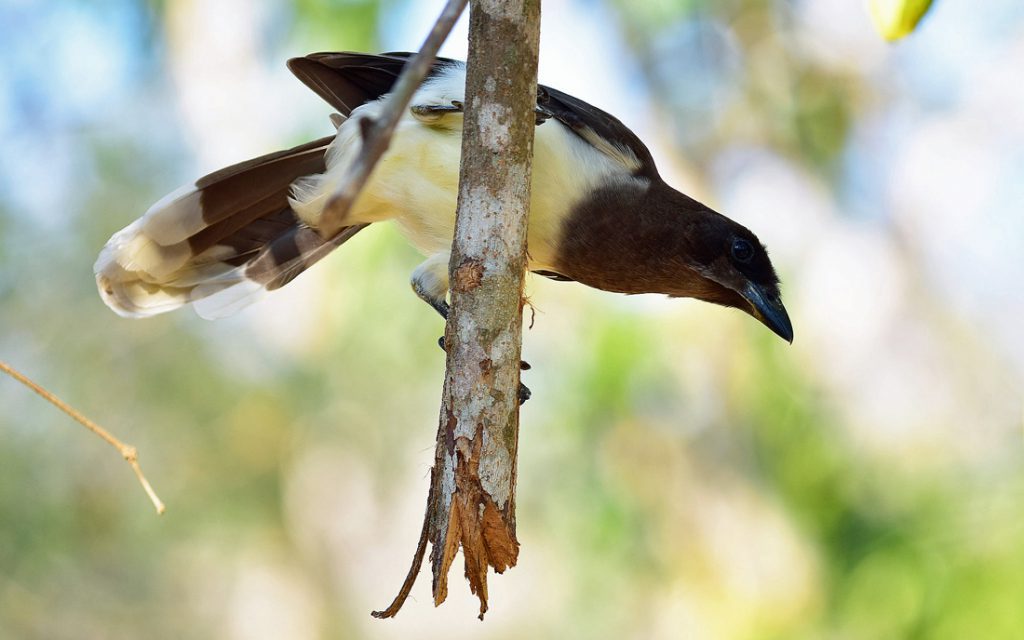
417,562
471,504
128,452
376,134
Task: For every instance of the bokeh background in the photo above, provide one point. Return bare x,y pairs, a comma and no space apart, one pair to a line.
683,473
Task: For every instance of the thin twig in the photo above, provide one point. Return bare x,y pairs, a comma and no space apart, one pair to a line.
417,562
377,135
128,452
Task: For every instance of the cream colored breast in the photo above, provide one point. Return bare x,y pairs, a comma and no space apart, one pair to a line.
417,184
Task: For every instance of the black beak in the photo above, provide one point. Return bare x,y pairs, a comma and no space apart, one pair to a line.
769,310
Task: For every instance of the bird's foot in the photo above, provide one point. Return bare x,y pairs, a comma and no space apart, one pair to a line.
541,113
524,393
433,112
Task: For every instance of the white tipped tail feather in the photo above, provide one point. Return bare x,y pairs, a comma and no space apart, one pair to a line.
217,244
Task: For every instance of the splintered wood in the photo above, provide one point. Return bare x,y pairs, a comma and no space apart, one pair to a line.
485,533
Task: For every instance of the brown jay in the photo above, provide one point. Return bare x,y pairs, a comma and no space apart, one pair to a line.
600,214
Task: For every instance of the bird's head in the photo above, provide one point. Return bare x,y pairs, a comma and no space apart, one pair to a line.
734,270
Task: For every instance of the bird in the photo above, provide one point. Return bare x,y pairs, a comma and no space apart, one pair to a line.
600,213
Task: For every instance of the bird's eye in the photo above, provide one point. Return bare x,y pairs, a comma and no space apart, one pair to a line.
742,251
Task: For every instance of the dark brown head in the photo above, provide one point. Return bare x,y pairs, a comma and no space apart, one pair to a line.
637,237
733,269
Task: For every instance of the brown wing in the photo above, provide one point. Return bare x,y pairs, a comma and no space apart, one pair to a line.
600,129
346,80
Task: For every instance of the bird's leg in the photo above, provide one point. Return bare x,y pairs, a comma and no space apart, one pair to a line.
540,111
429,113
438,304
430,283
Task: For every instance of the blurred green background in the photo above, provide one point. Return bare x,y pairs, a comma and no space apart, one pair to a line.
683,473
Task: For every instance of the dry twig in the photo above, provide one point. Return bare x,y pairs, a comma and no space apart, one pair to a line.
376,134
414,569
128,452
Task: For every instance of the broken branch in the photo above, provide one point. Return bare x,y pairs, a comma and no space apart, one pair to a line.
376,134
128,452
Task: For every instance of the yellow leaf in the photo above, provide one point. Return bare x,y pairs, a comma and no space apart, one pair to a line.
897,18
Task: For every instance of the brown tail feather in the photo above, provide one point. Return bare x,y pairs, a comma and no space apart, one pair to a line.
230,235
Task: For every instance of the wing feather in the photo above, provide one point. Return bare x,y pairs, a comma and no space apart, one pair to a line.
599,129
232,235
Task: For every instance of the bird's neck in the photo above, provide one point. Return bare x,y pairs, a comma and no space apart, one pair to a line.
636,237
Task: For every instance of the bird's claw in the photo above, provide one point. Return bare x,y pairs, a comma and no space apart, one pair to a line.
524,391
431,113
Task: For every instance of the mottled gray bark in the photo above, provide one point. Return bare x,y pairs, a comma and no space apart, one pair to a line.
472,490
474,478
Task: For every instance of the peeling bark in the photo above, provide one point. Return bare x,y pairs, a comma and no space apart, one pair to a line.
473,488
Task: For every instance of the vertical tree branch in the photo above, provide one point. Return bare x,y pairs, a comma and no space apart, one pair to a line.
471,503
473,484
